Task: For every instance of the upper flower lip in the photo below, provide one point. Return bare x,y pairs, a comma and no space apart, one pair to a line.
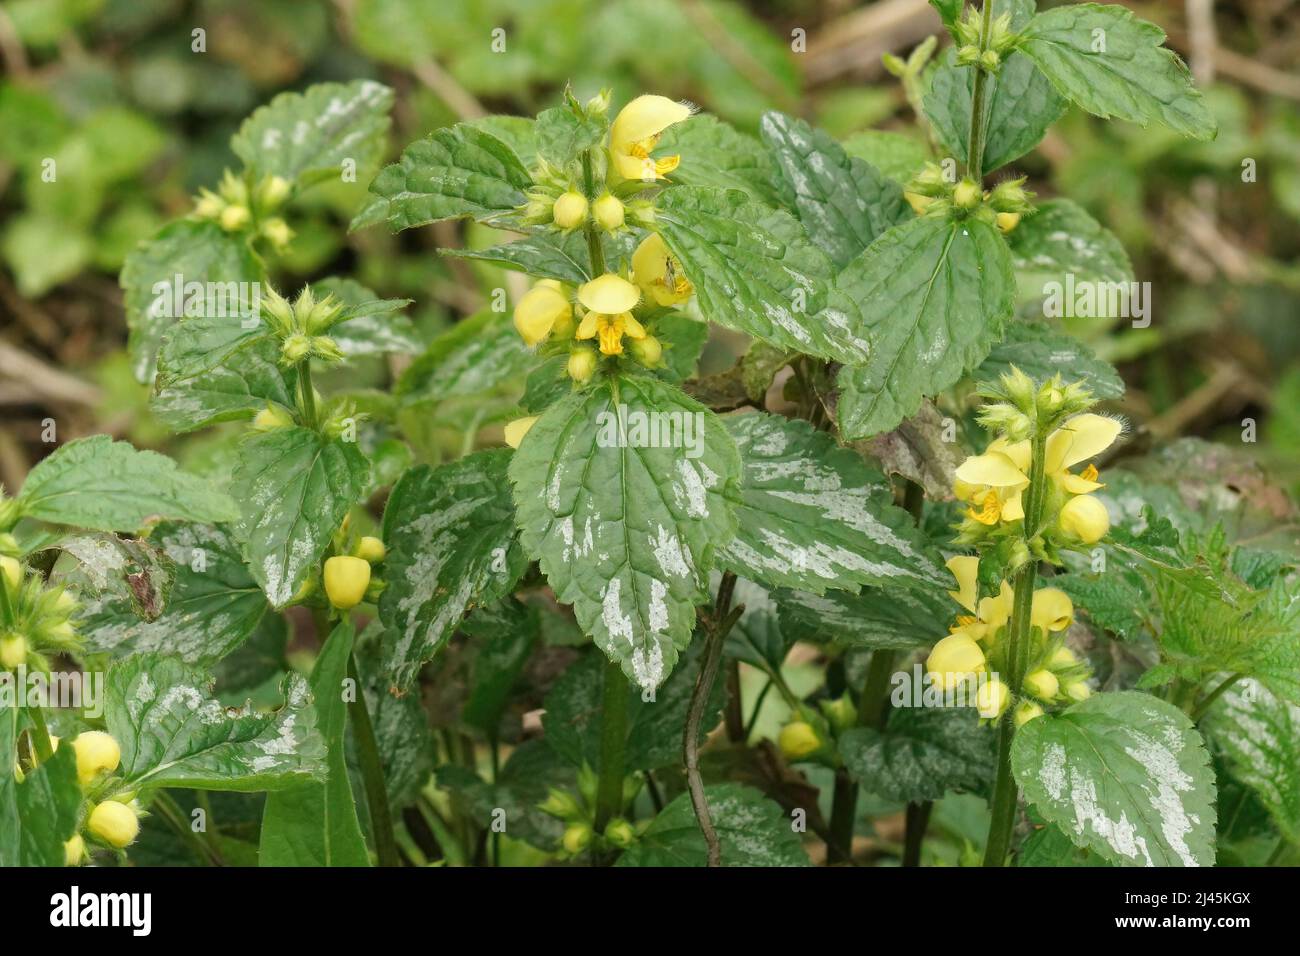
609,294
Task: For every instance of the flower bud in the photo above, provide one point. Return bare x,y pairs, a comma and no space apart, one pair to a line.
598,105
295,348
1008,221
1078,690
1062,659
640,212
954,660
1085,518
1026,711
620,833
271,418
561,804
114,823
272,191
648,351
517,429
570,210
968,54
371,549
346,580
992,698
13,651
209,205
234,218
74,851
798,739
1042,684
990,61
966,195
97,752
582,364
608,212
839,713
577,837
918,202
277,232
11,571
64,603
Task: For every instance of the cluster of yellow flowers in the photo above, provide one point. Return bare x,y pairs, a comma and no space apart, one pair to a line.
994,482
237,208
578,811
973,654
932,193
597,320
37,618
111,821
347,576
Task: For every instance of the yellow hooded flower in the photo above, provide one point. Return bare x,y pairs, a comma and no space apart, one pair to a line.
658,273
517,429
1085,518
992,698
1052,610
541,309
609,300
635,133
986,615
955,660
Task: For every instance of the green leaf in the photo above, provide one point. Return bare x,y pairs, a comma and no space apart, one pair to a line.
1021,105
238,389
843,202
1113,599
1110,63
524,781
1259,735
1049,846
923,753
949,11
471,358
173,734
934,296
754,270
199,344
294,487
505,634
213,605
684,339
1125,775
402,729
715,154
1062,239
39,814
875,618
308,136
1040,352
456,171
813,515
897,155
450,533
316,824
371,327
752,831
198,252
575,707
626,531
104,485
563,136
546,255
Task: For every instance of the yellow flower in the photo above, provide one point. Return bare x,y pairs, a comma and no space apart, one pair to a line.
955,660
1077,690
635,133
97,752
1042,684
74,850
609,300
798,739
1052,610
570,210
346,580
11,571
1008,221
541,309
1003,468
13,651
114,823
582,364
607,211
1085,518
1026,711
517,429
658,272
371,549
990,613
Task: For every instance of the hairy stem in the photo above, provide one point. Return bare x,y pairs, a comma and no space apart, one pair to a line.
372,772
1212,696
975,153
595,250
1005,793
723,619
306,393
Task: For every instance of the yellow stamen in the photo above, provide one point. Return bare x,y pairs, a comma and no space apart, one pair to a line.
1090,473
989,513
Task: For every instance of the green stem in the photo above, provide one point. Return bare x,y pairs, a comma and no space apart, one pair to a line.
372,772
306,393
168,809
758,709
724,619
6,609
613,744
1214,695
735,714
918,820
871,713
1005,793
595,250
41,737
975,154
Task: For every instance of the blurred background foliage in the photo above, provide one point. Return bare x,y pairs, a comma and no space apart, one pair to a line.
136,120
